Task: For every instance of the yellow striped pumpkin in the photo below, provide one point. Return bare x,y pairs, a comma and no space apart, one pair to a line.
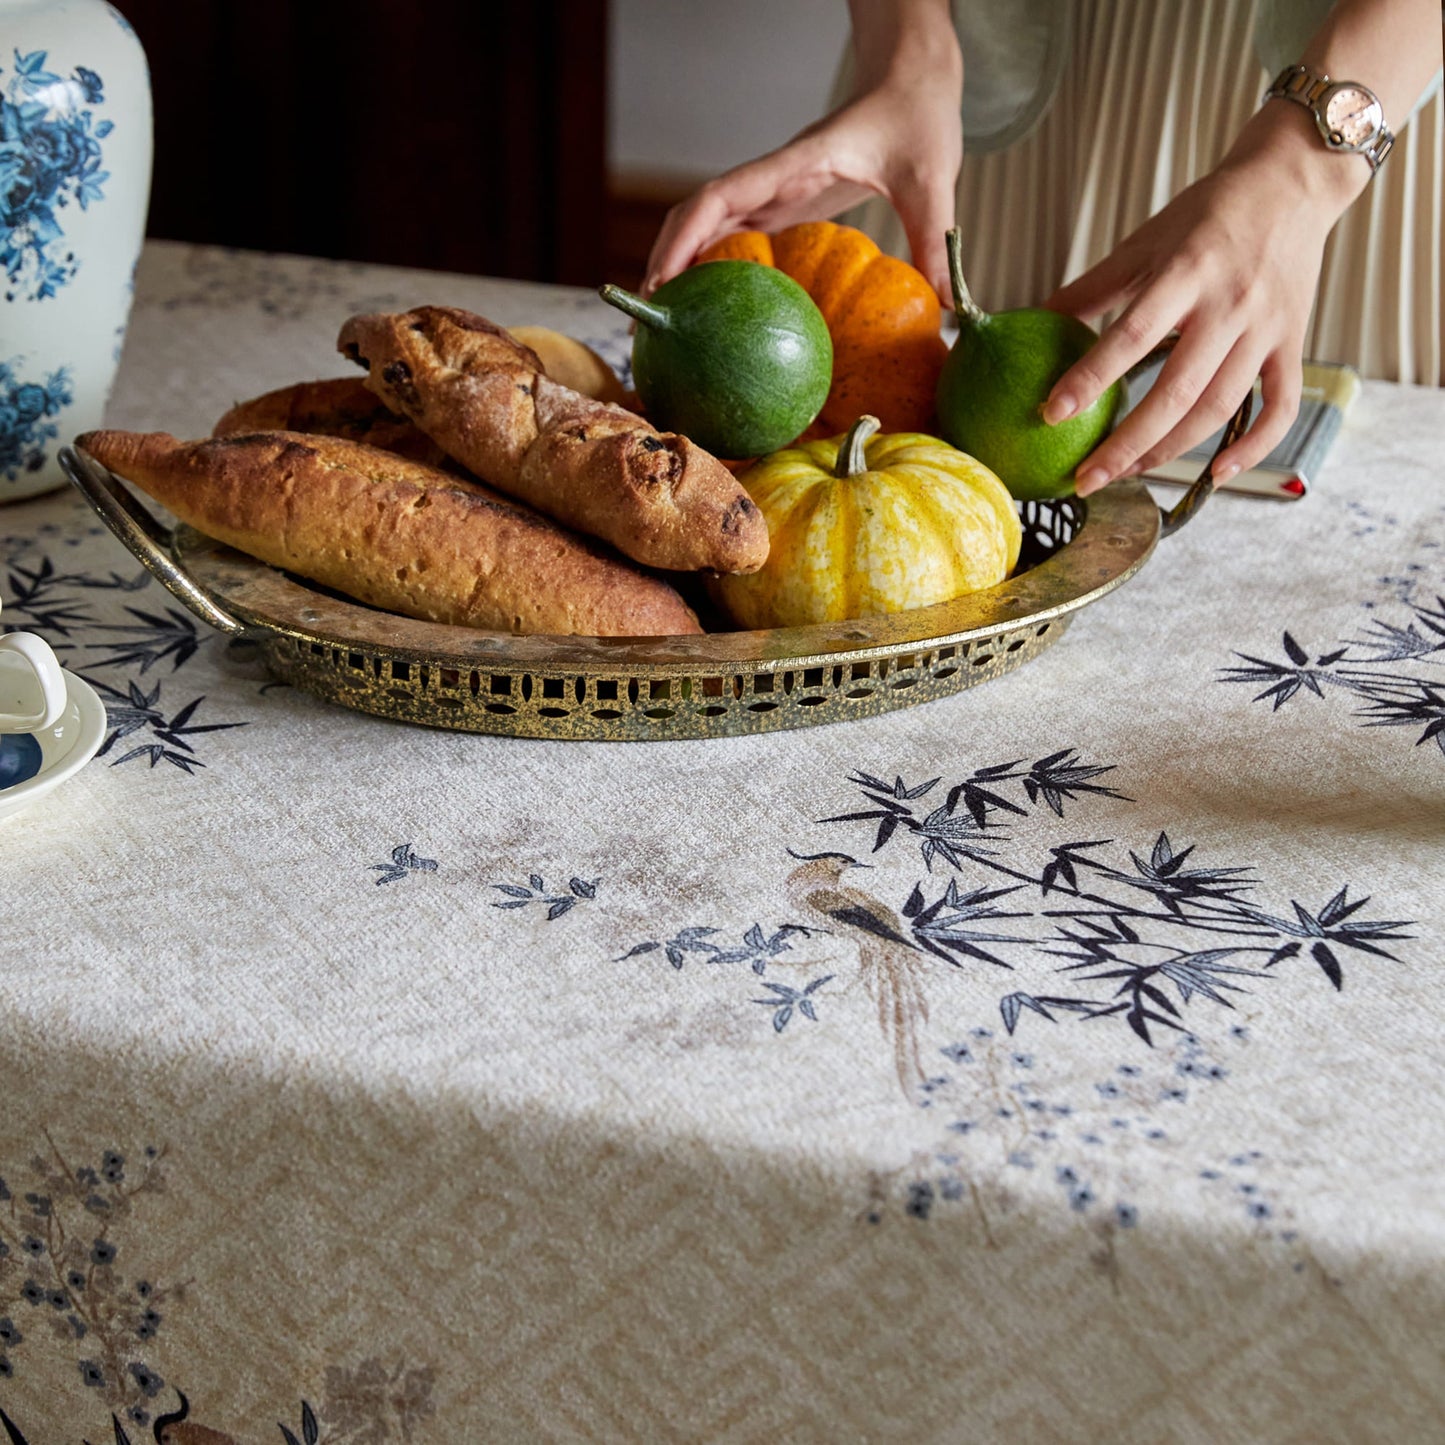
862,524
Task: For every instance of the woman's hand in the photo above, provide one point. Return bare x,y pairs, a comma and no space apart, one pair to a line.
900,138
1231,264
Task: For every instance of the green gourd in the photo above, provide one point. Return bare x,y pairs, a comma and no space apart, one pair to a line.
731,354
995,381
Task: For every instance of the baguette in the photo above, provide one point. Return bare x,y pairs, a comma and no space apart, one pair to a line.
342,406
393,533
488,402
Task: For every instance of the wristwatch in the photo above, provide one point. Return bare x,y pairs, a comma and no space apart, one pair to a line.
1347,114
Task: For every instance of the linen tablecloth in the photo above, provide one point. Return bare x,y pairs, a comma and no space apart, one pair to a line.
1058,1062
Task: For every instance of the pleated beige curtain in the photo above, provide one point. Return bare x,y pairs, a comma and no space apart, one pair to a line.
1149,99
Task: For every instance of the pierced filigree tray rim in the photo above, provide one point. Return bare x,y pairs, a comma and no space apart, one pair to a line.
626,689
1116,534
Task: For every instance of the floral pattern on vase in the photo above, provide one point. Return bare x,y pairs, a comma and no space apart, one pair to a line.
27,409
75,160
50,155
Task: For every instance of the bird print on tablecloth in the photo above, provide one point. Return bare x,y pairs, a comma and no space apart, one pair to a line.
892,966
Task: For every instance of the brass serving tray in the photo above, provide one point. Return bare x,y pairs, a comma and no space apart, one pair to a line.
719,684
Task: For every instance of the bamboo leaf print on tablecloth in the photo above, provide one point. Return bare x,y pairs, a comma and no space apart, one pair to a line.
152,639
1396,671
59,604
579,890
130,711
404,860
1087,929
786,999
1143,938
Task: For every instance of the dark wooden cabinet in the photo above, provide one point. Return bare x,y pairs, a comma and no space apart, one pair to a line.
438,133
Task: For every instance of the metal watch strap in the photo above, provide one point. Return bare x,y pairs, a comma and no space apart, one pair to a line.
1305,87
1298,82
1379,148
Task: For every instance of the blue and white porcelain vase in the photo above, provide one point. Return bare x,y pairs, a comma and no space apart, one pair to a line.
75,174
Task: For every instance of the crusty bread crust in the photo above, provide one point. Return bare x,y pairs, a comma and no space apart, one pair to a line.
393,533
570,362
486,400
342,406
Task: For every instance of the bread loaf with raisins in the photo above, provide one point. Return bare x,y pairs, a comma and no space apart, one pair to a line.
487,401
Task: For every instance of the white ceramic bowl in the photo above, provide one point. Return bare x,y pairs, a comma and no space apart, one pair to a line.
66,747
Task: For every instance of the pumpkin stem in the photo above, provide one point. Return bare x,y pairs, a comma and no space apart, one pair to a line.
964,306
635,306
851,459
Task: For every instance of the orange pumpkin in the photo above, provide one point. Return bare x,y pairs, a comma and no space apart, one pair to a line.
881,312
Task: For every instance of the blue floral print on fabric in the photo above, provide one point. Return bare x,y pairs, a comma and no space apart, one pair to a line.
75,1288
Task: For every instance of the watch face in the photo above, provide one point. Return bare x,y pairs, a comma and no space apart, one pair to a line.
1353,116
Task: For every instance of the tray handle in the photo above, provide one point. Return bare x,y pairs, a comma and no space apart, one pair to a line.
146,538
1184,509
1173,518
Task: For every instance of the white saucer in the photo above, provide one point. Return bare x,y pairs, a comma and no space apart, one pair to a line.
64,749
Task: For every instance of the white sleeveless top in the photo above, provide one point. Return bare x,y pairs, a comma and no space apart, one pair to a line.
1084,117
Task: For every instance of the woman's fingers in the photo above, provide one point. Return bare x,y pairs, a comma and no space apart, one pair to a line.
689,226
1232,262
1146,321
724,204
903,144
926,210
1187,391
922,187
799,182
1101,288
1281,379
1216,405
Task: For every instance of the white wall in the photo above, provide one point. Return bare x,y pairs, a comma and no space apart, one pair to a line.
696,86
